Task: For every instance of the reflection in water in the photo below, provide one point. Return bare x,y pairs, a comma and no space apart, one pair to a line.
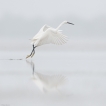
47,83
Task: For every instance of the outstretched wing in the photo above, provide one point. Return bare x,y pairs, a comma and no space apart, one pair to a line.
52,36
44,28
41,31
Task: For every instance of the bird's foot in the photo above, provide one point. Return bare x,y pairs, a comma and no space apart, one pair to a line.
28,56
32,55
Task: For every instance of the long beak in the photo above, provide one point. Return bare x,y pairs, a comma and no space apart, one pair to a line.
70,23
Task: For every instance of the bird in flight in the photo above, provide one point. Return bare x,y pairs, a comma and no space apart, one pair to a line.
48,35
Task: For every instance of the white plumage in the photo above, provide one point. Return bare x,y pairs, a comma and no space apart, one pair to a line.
48,35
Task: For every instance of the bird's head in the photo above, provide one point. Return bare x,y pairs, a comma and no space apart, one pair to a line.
66,22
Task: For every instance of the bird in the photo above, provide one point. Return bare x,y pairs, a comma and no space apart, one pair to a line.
47,35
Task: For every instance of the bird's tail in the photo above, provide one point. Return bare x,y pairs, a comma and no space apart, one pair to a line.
32,40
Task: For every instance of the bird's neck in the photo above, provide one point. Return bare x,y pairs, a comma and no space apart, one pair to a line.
60,25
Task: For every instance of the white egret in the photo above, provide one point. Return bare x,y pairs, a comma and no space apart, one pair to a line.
48,35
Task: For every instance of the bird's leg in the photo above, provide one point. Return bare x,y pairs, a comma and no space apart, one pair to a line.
31,55
33,51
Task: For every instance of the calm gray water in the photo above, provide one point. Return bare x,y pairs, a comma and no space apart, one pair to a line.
84,74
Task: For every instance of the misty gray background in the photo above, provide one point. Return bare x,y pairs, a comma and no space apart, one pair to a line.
20,20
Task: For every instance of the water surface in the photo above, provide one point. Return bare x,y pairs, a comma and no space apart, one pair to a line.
85,74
